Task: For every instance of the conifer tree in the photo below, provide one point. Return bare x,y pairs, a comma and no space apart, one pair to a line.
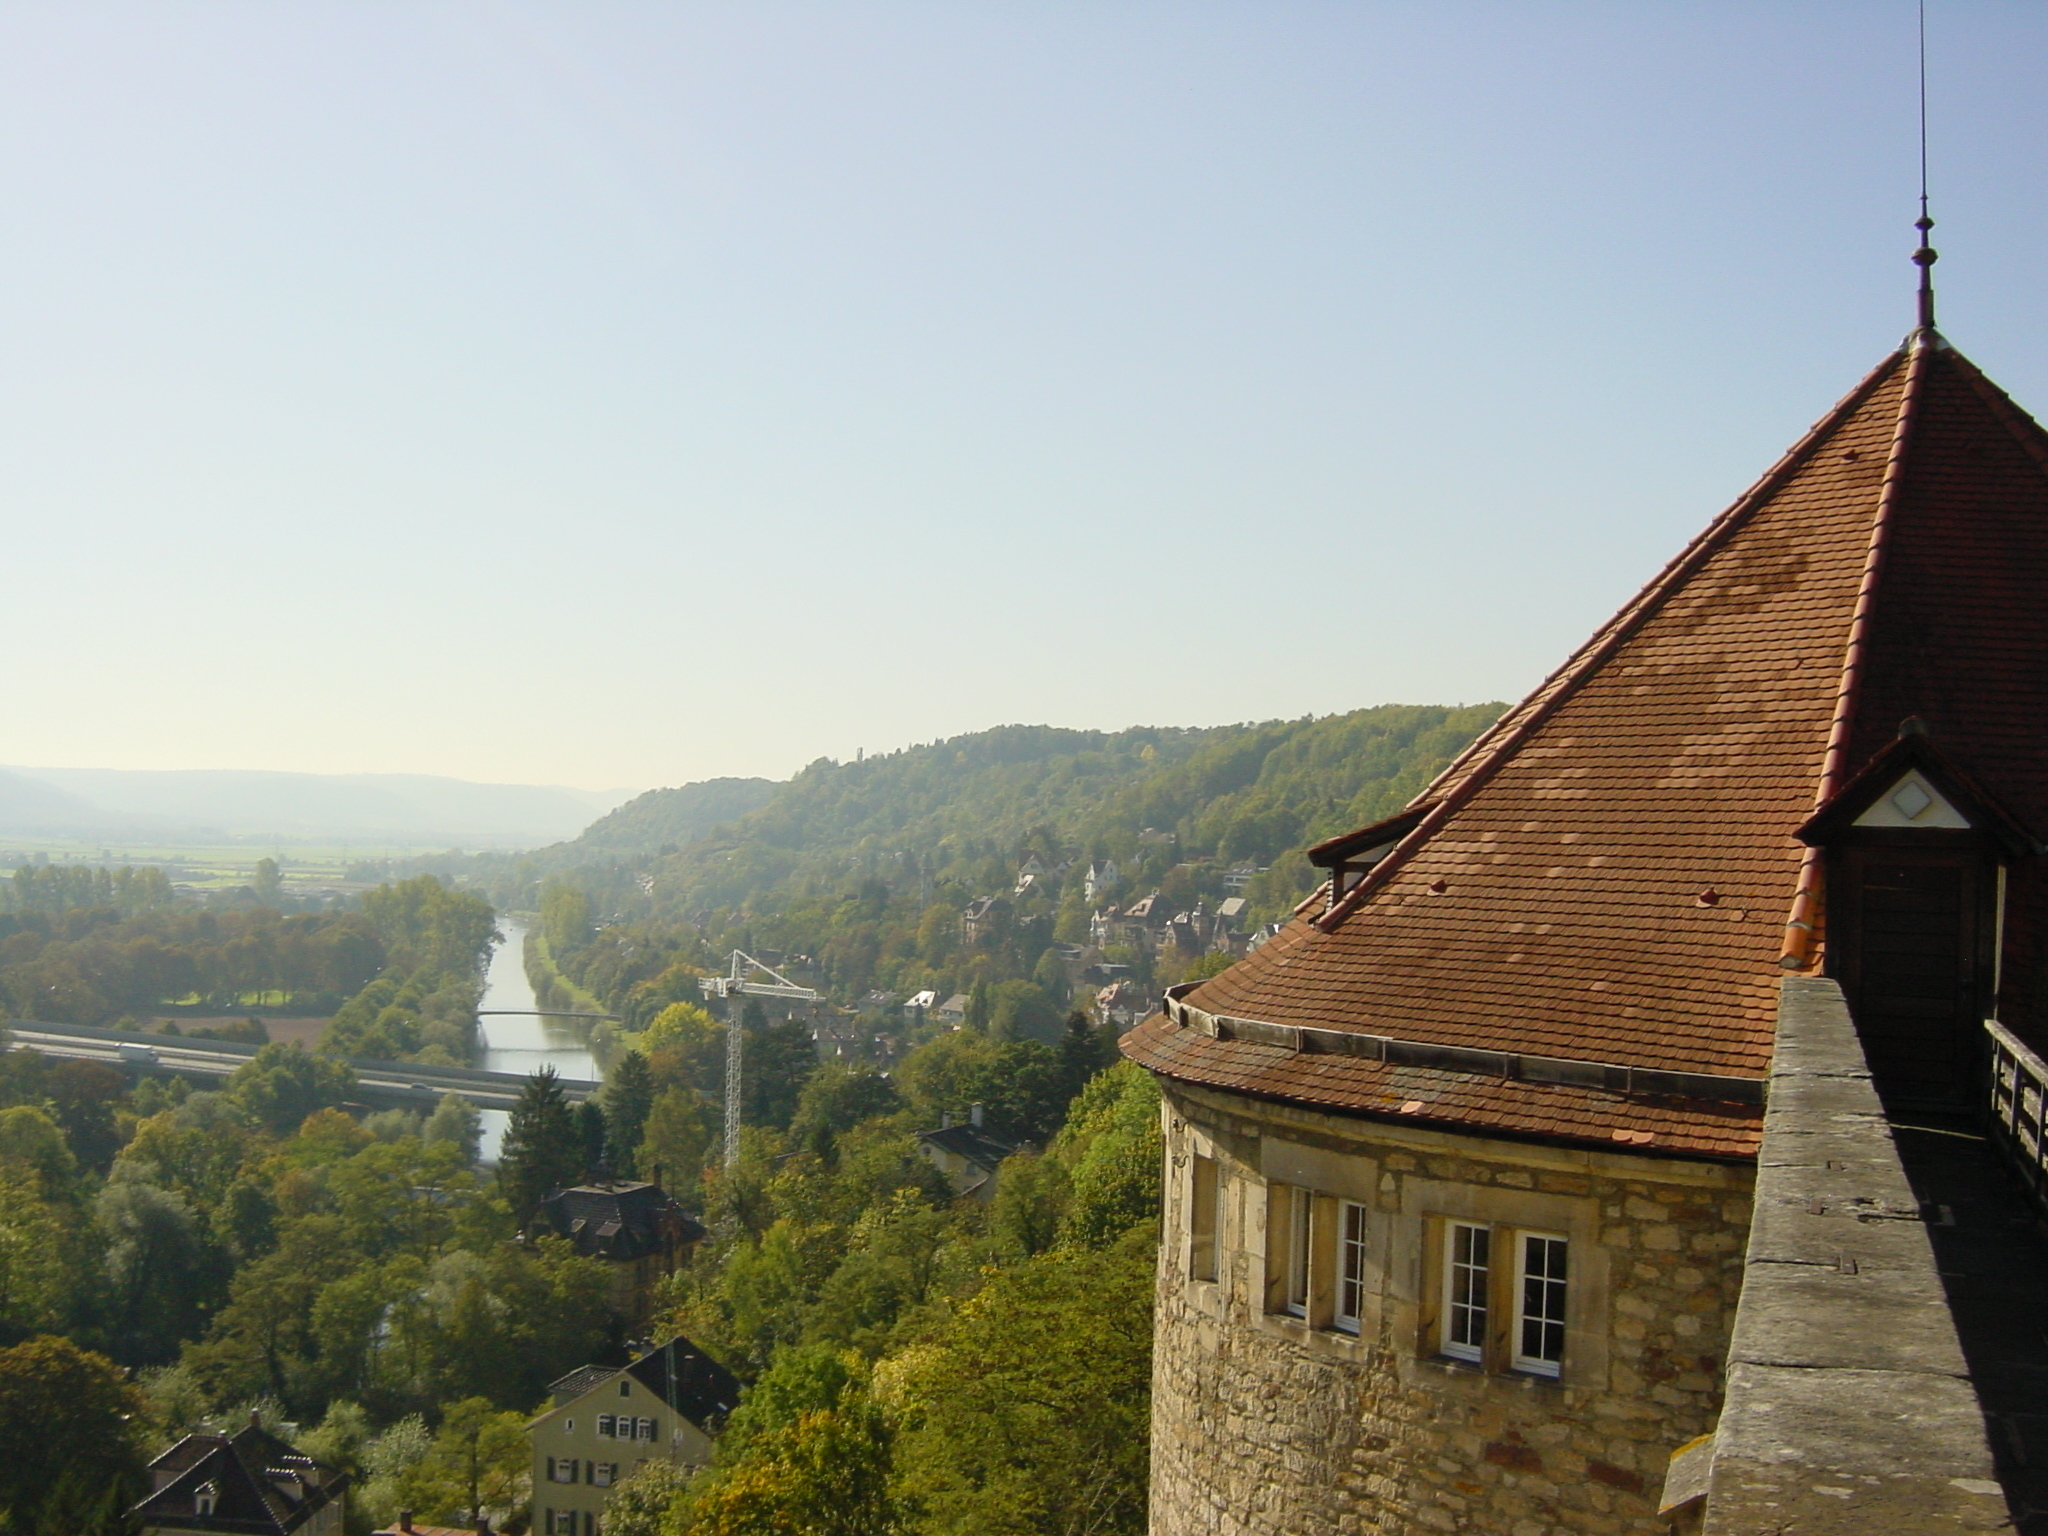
628,1099
543,1148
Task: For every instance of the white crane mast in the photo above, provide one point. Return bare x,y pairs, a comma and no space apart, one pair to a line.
741,977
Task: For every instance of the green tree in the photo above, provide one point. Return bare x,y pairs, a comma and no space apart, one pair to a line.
640,1505
806,1454
83,1096
283,1083
542,1150
67,1418
680,1132
564,917
501,1324
835,1100
593,1136
1112,1149
780,1059
628,1100
427,927
1084,1051
32,1143
155,1261
1029,1205
35,1282
1029,1413
479,1462
457,1122
267,882
1022,1010
263,1342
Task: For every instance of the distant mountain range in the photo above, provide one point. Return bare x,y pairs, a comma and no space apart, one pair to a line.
134,805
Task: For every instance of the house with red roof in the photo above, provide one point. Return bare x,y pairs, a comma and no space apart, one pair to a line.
1461,1164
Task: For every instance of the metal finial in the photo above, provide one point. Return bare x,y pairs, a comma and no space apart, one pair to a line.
1924,259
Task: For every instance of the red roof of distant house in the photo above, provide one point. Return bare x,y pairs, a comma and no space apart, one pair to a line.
1549,897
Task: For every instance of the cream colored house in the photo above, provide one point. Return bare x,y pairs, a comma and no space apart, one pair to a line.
668,1405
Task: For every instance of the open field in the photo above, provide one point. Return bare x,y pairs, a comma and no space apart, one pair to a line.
216,865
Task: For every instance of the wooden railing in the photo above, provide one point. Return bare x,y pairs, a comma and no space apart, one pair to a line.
2019,1107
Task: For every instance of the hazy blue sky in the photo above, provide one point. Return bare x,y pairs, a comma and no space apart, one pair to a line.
619,394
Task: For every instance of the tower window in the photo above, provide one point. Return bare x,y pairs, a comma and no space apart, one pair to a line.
1350,1266
1204,1226
1468,1254
1539,1304
1300,1205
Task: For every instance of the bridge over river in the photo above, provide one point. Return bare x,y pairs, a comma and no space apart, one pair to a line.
388,1084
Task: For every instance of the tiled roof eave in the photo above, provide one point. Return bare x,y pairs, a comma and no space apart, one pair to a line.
1489,1108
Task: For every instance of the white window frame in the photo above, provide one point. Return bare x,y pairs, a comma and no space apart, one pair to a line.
1467,1290
1348,1304
645,1429
1542,1294
603,1474
1297,1264
607,1426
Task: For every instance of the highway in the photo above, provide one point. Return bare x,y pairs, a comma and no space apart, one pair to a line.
386,1083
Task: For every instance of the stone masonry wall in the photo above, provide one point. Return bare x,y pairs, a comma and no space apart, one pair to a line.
1267,1425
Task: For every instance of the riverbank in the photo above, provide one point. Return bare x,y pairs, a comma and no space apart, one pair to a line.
555,990
515,1036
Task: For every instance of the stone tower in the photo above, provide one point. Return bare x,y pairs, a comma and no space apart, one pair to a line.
1459,1164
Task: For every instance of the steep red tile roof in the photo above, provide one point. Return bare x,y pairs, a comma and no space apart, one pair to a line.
1607,874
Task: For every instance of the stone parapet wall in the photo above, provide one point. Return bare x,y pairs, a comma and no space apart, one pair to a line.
1849,1407
1268,1425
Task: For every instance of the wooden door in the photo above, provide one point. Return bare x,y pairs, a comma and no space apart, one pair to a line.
1906,925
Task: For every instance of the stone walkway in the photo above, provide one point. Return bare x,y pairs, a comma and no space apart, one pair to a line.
1991,1246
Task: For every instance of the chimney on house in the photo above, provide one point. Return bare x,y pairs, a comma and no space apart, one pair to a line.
974,1115
405,1519
946,1121
255,1418
483,1525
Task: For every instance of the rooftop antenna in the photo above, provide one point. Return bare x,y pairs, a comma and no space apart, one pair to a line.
1925,257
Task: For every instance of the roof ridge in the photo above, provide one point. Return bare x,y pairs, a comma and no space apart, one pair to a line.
1797,951
1497,745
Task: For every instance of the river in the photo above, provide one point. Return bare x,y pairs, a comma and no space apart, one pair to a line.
522,1043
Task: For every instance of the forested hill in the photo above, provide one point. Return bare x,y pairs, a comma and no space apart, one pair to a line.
865,867
1228,792
669,818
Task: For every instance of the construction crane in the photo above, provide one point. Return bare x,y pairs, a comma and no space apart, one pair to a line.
743,977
